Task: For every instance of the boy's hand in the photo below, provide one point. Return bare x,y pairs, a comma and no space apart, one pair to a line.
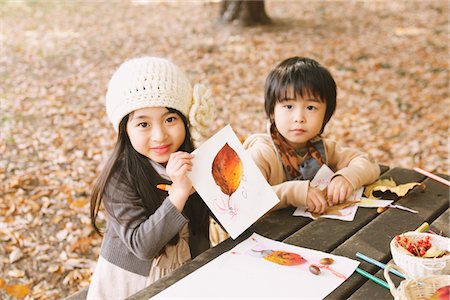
339,190
316,201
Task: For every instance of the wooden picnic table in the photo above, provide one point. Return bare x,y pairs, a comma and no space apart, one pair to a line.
369,233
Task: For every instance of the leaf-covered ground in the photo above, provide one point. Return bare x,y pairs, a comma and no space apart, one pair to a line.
389,58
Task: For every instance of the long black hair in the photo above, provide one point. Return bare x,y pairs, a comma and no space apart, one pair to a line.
144,178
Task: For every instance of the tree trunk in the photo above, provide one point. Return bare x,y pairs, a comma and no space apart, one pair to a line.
247,13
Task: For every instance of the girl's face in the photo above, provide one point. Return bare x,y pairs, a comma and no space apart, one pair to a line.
155,132
299,119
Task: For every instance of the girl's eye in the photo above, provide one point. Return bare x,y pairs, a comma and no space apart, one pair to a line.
171,119
288,106
311,107
143,124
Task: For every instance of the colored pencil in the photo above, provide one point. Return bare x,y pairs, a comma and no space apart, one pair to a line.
435,177
378,264
422,228
163,187
373,278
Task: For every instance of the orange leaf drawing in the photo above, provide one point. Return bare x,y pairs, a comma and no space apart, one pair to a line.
285,258
227,170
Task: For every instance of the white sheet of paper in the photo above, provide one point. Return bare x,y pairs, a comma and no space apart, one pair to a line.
251,200
368,202
321,181
239,274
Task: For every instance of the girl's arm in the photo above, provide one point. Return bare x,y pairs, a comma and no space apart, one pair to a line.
143,235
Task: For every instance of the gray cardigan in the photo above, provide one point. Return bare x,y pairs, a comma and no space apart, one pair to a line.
132,245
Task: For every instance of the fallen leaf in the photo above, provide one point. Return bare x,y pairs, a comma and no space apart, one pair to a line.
16,273
400,190
17,290
380,182
335,209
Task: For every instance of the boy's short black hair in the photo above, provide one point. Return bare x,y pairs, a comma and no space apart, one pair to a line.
305,75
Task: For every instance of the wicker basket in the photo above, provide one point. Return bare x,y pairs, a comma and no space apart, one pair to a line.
415,289
420,266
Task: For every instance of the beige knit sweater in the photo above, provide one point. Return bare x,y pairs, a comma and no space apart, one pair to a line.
354,165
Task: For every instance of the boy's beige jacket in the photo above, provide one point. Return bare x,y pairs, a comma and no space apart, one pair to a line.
354,165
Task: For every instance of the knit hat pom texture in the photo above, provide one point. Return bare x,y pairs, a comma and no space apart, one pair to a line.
147,82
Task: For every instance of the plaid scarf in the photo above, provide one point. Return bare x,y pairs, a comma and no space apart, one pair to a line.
289,157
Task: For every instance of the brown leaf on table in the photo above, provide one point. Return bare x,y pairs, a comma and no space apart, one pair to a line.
335,209
227,170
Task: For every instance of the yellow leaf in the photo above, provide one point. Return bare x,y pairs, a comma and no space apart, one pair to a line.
79,203
368,191
399,190
17,290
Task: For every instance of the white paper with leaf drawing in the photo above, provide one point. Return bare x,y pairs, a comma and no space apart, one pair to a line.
345,211
230,183
261,268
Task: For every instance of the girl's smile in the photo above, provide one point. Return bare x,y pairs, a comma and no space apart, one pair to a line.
160,149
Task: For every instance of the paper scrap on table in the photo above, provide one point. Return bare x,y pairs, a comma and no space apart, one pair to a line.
368,202
321,181
245,272
230,183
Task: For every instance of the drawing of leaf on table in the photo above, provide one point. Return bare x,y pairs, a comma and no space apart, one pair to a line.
286,258
227,171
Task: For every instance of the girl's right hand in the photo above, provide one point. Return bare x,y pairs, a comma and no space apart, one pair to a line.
316,201
178,165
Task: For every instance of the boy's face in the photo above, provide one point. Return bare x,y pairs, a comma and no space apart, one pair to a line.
299,119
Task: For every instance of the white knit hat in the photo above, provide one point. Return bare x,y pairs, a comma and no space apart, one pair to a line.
156,82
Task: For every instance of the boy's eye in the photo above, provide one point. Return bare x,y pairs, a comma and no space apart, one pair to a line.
288,106
311,107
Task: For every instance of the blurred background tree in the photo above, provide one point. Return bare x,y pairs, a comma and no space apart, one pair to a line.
246,13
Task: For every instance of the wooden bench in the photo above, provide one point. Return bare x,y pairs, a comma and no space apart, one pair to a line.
369,233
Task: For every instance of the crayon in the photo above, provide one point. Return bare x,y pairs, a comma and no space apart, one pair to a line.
378,264
373,278
163,187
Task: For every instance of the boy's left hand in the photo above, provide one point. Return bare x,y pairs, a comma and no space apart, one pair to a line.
339,190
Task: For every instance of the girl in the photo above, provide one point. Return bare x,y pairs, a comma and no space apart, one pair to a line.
300,98
149,232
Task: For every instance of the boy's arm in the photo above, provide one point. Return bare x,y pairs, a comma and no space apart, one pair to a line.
290,193
354,165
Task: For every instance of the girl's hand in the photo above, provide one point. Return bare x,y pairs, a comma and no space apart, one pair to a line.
339,190
316,201
178,165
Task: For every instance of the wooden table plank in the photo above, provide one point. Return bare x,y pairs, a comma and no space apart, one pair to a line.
326,234
373,240
371,288
317,234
